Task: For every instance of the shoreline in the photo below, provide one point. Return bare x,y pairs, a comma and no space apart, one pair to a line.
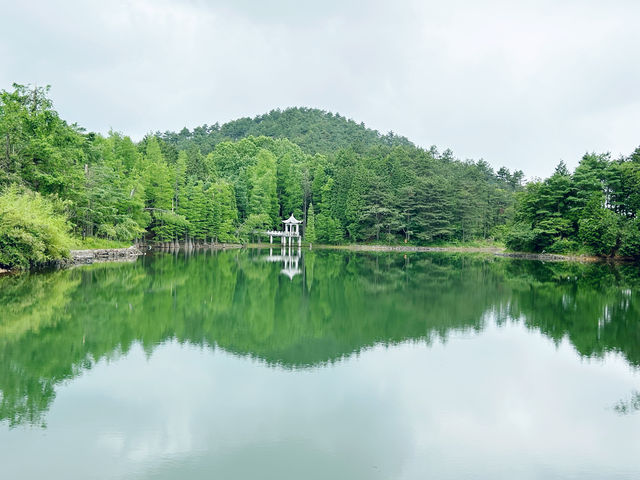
384,248
170,246
99,255
86,257
78,258
130,254
496,250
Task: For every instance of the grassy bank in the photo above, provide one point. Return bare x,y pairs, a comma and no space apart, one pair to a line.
93,243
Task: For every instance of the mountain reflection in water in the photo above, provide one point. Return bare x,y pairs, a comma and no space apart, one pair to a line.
56,325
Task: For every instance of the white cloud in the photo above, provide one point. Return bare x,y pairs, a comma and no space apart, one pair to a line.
520,84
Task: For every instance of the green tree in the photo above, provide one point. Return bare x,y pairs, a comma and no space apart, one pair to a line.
598,227
263,197
310,229
224,212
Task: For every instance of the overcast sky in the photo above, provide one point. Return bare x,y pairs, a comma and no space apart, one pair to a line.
521,84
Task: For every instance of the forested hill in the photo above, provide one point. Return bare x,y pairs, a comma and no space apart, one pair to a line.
223,184
346,182
315,131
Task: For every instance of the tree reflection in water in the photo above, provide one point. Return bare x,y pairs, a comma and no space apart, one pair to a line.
56,325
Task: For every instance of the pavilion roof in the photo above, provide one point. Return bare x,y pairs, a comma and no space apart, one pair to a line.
292,219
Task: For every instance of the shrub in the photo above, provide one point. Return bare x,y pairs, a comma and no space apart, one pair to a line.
520,237
630,238
564,245
253,225
599,231
499,233
32,229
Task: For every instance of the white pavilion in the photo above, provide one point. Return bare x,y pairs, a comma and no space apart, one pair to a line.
291,231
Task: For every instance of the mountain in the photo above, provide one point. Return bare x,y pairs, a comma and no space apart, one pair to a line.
314,130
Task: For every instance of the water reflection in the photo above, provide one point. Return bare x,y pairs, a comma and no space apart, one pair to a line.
290,261
630,405
56,326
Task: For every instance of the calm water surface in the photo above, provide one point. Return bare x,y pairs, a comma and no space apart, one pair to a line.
242,364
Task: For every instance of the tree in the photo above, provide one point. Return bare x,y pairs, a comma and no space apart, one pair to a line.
355,202
253,225
598,227
223,210
262,187
310,229
205,182
289,184
158,178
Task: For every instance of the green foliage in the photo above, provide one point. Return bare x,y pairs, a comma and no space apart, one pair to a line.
630,238
520,237
90,243
499,233
310,229
253,225
564,245
382,188
216,181
157,176
168,225
316,131
591,210
263,198
598,227
32,229
224,213
40,149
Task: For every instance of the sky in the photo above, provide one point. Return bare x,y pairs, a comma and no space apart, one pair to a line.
520,84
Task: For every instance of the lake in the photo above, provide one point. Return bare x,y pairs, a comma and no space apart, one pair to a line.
324,364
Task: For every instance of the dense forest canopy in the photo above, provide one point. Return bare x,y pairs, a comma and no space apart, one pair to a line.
592,210
226,183
315,131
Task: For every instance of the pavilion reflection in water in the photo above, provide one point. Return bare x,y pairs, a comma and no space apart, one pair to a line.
289,257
